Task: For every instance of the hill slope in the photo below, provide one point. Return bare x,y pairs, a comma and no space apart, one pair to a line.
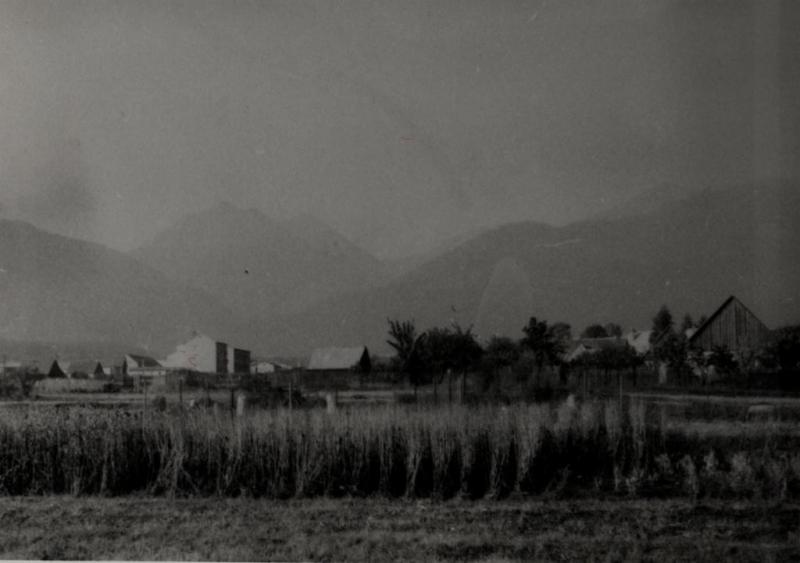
63,290
689,254
254,264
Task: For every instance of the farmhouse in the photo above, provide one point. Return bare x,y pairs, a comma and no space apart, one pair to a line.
584,346
9,367
639,340
143,370
203,354
354,359
734,327
268,366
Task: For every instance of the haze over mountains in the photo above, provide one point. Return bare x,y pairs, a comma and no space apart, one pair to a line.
61,290
257,265
284,287
689,254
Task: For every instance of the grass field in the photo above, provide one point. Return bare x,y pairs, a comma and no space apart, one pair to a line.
396,451
60,527
663,480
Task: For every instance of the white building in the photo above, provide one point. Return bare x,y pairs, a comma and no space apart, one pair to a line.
203,354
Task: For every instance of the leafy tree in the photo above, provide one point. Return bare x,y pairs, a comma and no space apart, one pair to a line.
687,323
784,350
501,352
408,347
23,380
594,331
613,329
452,349
673,349
563,333
541,341
662,324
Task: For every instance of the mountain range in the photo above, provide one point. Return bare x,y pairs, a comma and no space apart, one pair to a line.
285,287
62,290
256,265
690,254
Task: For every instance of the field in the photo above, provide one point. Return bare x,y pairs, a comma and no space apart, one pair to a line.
409,530
652,477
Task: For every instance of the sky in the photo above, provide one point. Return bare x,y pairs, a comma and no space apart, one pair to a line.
400,123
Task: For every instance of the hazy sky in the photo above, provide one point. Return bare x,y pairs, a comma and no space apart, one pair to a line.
399,123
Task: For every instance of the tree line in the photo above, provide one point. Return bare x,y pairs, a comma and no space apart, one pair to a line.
426,357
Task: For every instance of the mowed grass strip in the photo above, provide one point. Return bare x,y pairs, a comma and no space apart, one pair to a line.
65,527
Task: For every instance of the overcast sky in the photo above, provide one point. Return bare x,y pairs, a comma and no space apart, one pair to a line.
398,123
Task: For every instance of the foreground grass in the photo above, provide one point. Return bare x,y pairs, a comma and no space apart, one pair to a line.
64,527
438,453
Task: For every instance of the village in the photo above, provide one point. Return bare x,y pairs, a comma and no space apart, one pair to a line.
399,281
726,350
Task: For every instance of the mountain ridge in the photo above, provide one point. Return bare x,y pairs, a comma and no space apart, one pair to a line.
689,254
257,264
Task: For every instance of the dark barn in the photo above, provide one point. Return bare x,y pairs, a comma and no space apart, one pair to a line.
734,327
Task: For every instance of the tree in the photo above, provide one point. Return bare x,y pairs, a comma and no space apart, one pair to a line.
449,350
563,333
501,352
783,352
613,329
672,349
662,324
687,323
540,340
408,347
594,331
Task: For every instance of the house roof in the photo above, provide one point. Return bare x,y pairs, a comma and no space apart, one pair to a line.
59,365
143,361
639,340
336,358
730,301
710,320
593,345
603,343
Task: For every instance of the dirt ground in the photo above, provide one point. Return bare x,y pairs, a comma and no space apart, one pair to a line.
379,529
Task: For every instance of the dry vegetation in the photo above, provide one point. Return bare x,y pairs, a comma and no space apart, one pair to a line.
60,527
596,449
